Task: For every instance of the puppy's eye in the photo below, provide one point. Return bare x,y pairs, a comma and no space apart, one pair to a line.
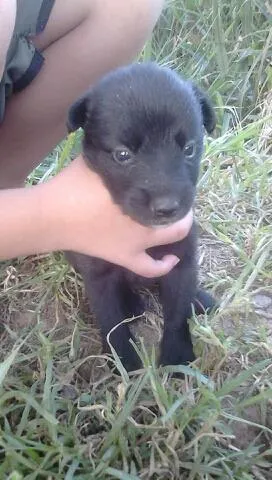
122,155
189,149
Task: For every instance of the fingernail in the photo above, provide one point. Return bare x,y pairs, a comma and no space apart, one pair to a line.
176,261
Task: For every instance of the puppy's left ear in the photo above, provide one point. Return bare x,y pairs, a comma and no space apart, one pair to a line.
78,113
208,113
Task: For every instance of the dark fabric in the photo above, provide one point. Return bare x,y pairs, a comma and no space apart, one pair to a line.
24,61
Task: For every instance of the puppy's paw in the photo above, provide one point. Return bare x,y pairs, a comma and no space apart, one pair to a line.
175,350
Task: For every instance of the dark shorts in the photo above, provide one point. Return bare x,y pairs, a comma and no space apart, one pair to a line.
24,61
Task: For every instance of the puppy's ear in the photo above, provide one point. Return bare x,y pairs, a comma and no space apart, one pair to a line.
77,114
208,113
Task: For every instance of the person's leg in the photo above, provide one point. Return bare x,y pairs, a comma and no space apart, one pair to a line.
82,41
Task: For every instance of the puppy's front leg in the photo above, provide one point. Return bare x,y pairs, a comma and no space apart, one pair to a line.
108,294
178,290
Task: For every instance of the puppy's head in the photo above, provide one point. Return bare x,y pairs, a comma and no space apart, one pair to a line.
143,134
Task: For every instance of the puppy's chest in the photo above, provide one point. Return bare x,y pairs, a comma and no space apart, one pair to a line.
98,269
181,249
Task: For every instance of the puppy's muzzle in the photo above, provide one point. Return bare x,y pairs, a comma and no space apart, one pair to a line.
164,207
158,206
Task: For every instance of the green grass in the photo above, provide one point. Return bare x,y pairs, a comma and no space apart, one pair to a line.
63,414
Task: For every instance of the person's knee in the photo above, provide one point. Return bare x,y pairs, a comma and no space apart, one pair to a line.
142,14
130,21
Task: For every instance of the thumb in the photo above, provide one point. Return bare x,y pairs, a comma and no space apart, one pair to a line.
146,266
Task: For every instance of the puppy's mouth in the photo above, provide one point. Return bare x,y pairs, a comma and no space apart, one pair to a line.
165,222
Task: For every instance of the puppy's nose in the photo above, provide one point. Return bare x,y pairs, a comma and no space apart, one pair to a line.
164,206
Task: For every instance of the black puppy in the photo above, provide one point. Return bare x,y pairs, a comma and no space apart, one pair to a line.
143,134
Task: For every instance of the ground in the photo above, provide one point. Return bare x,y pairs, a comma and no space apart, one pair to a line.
63,414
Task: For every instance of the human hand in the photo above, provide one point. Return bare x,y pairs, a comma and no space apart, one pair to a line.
87,221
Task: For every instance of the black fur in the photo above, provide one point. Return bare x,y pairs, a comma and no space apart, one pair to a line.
157,120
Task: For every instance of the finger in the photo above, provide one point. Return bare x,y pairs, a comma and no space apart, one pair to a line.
173,233
146,266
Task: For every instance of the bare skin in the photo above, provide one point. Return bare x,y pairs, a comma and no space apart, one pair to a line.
52,216
81,42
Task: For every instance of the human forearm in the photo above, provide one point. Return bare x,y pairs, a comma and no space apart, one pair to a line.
23,224
74,211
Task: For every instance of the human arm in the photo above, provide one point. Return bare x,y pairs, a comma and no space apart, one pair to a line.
74,211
